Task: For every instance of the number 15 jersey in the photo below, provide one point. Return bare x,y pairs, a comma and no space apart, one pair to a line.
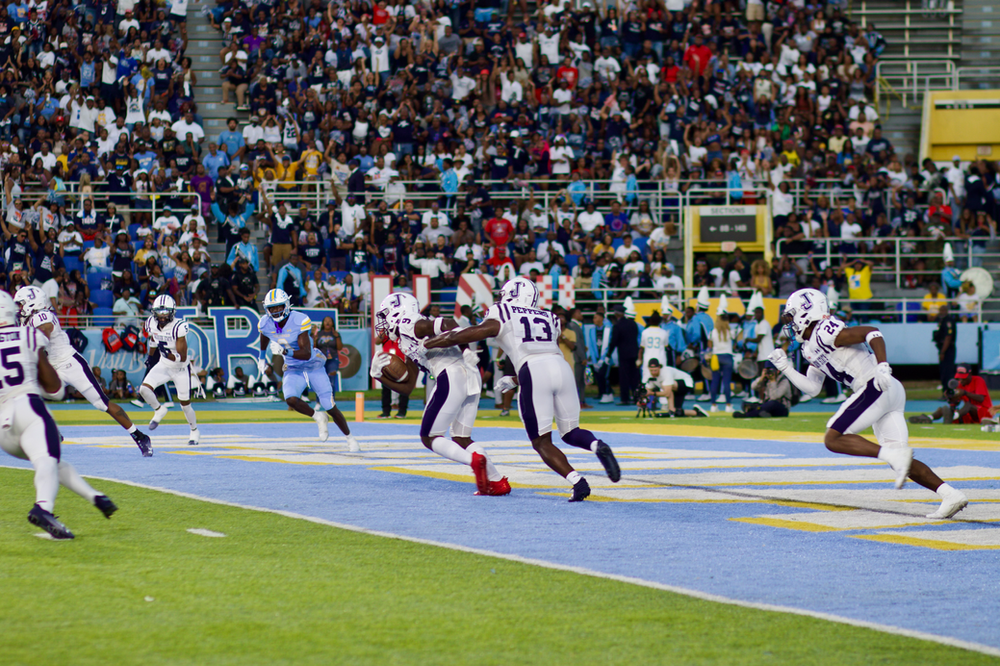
525,332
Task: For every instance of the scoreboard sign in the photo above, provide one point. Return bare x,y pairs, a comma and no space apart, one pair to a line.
712,230
721,224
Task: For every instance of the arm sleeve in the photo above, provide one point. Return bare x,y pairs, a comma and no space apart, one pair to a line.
810,383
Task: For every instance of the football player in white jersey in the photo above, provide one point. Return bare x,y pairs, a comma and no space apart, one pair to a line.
168,361
35,310
27,430
453,401
289,334
855,356
652,344
528,336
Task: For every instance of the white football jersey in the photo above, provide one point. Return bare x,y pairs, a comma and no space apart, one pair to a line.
165,339
19,347
525,332
59,347
852,366
654,341
433,361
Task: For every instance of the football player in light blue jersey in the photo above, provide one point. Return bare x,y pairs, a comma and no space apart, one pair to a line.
289,334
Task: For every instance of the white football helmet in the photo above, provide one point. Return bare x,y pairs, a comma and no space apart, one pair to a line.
8,310
393,308
30,300
520,291
804,307
277,304
163,309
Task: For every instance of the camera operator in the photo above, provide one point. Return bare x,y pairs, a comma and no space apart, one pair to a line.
968,400
671,384
775,393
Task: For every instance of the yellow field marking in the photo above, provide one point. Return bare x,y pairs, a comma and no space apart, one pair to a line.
787,524
274,460
192,453
923,543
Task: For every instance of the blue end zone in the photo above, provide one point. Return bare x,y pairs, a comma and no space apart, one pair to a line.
693,512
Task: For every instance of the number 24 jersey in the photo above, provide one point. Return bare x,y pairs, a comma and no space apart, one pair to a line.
525,332
852,366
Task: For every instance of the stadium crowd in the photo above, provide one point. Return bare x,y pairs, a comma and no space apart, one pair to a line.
452,137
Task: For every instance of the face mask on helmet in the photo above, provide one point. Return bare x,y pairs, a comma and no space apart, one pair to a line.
163,315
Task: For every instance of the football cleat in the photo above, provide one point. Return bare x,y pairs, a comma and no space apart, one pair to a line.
497,488
479,469
322,419
899,460
105,505
701,410
157,417
42,518
144,443
952,504
352,444
194,437
607,458
581,491
383,416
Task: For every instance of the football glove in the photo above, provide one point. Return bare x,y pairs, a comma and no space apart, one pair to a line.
261,365
277,349
779,359
883,376
380,361
504,384
471,358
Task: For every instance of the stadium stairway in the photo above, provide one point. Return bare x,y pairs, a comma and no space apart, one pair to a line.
930,39
204,45
981,39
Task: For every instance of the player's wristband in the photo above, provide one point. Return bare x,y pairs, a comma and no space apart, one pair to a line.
438,325
871,336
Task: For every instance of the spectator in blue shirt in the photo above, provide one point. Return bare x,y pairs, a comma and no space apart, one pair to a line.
213,160
246,248
291,281
231,141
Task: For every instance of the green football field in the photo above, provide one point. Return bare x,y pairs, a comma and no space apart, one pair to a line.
140,589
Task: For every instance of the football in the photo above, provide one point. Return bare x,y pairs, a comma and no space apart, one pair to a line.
396,370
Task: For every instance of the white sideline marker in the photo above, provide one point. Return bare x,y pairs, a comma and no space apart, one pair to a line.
205,533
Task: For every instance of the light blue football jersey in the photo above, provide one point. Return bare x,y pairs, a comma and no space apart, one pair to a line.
296,324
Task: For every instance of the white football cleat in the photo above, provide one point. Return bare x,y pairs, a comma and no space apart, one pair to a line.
953,502
899,460
158,416
352,444
704,397
194,437
322,419
721,400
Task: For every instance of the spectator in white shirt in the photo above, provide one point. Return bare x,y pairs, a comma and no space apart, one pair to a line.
187,125
549,247
531,263
253,132
590,220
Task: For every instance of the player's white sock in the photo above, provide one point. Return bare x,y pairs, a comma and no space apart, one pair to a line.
46,482
190,416
944,490
491,470
149,396
132,429
450,450
574,477
69,477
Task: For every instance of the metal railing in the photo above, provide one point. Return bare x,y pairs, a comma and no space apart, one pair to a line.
984,77
965,250
909,80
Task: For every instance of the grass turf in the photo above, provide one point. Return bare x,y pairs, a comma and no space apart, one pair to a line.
139,589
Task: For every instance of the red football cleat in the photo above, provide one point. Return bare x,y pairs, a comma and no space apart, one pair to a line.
479,469
501,487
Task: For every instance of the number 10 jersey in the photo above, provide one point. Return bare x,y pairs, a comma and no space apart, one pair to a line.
525,332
